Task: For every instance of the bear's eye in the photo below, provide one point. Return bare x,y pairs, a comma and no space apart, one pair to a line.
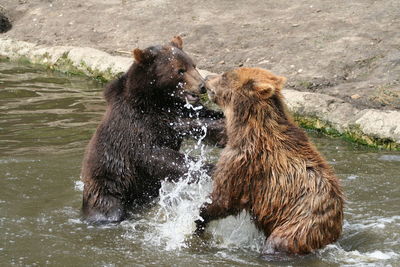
181,71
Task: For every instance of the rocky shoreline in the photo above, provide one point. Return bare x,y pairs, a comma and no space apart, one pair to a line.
332,115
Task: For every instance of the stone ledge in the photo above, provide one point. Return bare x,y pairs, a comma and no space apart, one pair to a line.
332,115
326,113
84,60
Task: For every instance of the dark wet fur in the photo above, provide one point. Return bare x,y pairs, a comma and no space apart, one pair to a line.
136,146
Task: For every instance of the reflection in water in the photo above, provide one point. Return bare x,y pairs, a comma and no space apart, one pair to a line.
46,120
39,109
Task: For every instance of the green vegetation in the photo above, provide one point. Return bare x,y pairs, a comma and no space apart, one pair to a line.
306,84
353,134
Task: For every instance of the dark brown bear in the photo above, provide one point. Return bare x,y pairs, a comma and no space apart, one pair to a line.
270,169
136,145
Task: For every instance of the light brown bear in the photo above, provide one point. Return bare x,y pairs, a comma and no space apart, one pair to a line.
270,169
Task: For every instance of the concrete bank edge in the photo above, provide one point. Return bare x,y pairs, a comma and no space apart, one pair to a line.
312,110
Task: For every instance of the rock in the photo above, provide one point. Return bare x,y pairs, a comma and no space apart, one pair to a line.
90,61
343,117
99,61
326,108
355,96
263,62
380,124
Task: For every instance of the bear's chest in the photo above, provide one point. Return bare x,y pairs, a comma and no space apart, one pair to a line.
169,137
164,132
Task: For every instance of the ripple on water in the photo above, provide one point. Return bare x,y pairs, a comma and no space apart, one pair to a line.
374,222
16,160
337,254
352,177
389,158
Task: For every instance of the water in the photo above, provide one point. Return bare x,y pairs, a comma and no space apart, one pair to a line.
46,120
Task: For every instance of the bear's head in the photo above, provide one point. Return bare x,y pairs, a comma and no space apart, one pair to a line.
169,72
243,86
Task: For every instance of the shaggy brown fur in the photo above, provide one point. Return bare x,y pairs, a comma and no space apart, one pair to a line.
136,145
270,168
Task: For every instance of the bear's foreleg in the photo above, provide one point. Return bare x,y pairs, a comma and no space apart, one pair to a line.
193,120
217,209
215,135
216,132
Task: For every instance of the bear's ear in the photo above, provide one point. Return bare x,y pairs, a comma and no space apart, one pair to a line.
177,42
141,56
264,90
280,81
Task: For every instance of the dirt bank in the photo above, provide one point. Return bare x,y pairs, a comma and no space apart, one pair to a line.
347,49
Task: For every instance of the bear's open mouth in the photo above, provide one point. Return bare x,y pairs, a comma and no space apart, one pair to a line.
192,98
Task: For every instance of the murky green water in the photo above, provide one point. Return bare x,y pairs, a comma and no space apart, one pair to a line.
46,120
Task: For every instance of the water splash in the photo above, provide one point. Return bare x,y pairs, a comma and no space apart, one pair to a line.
78,185
190,106
179,202
237,232
171,221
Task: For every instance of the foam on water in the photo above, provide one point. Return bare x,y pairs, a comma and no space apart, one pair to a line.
361,257
336,253
237,232
373,223
179,202
178,208
78,185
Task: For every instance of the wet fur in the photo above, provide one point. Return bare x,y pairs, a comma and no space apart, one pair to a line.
271,169
136,145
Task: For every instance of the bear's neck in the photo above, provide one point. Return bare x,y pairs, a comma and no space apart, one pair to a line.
141,91
258,124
